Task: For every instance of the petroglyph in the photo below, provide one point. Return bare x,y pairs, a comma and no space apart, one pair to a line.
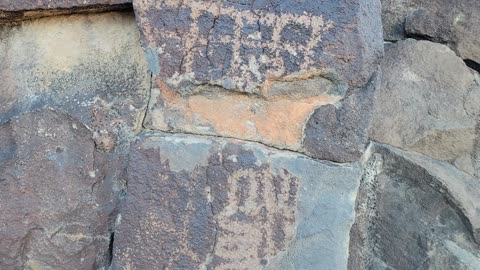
235,46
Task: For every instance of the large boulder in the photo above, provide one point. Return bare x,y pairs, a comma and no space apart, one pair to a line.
57,194
88,66
455,23
255,71
428,103
414,212
202,203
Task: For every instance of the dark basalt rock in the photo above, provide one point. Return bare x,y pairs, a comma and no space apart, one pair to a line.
244,46
415,213
223,204
57,194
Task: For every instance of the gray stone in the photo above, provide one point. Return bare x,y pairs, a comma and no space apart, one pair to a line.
455,23
339,132
88,66
208,203
58,196
414,212
428,103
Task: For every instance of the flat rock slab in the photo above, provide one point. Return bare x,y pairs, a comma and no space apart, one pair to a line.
415,211
455,23
52,182
88,66
246,45
25,9
428,103
197,202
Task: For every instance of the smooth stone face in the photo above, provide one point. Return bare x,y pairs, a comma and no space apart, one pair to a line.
340,132
455,23
197,202
57,198
88,66
248,45
426,104
414,211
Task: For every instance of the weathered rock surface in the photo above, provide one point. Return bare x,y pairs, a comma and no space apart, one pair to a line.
456,23
339,132
248,45
57,194
26,9
415,213
428,103
249,70
88,66
197,202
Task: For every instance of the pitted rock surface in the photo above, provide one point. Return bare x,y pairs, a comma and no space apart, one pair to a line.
414,212
76,64
249,45
223,204
57,199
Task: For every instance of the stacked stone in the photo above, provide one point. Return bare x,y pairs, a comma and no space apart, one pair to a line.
240,134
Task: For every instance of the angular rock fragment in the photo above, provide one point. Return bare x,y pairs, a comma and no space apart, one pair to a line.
255,71
195,202
88,66
415,213
428,103
455,23
57,198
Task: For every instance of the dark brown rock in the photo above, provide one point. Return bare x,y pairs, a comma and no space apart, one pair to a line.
26,9
57,198
248,45
414,212
339,132
201,203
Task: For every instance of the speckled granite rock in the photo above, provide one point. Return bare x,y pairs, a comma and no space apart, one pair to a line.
196,202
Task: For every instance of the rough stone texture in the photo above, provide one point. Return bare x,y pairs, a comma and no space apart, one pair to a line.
26,9
195,203
247,69
248,45
56,196
456,23
339,132
76,64
415,213
428,103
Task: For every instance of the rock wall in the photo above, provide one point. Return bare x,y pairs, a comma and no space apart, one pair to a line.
332,134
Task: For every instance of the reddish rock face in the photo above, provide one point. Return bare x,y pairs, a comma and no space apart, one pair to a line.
248,45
